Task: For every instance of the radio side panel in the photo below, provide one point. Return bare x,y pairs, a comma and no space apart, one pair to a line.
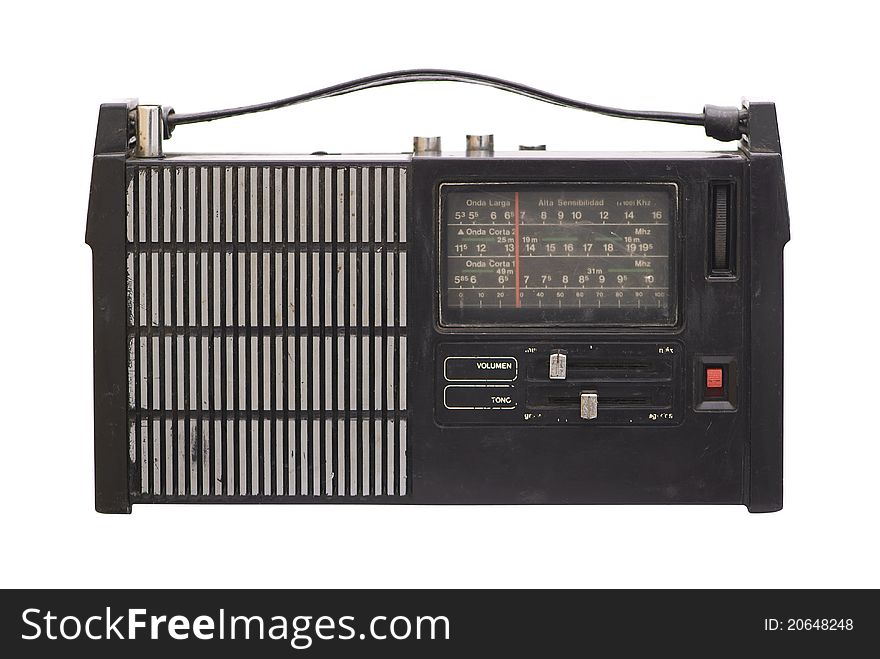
105,233
769,234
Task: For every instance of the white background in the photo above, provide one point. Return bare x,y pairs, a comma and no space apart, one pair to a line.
59,62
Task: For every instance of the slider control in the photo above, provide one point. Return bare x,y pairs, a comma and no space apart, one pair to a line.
558,361
589,404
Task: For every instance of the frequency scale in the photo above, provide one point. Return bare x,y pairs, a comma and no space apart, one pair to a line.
438,326
548,250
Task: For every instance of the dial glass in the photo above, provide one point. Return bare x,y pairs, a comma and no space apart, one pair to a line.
520,254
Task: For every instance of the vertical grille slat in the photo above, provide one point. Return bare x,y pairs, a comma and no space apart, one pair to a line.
266,330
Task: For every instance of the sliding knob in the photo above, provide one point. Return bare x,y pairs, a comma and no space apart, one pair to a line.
589,404
558,363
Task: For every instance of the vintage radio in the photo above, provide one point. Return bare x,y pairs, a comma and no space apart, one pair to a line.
438,327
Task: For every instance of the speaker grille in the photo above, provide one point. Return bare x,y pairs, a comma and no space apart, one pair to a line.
266,330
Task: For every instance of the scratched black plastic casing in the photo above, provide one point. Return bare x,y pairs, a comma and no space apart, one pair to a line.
312,428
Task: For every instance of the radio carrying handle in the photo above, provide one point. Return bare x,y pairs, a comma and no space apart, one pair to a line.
723,123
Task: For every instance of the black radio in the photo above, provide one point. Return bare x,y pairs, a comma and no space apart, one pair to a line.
438,327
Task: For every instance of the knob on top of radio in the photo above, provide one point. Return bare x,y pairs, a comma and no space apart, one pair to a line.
480,145
426,146
477,145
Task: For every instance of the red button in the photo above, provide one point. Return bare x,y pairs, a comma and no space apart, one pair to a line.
714,378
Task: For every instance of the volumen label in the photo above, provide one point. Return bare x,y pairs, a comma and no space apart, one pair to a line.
480,369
